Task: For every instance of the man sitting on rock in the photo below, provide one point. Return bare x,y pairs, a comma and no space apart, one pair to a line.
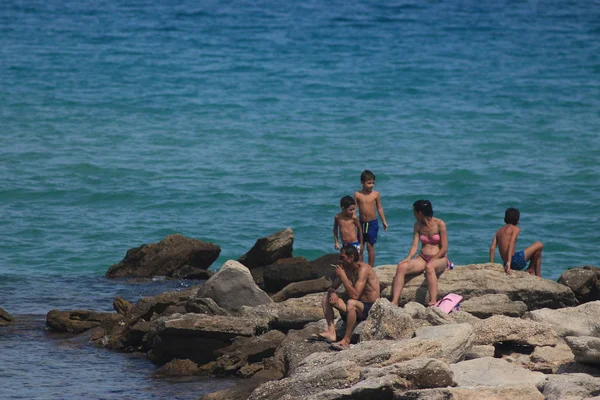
362,286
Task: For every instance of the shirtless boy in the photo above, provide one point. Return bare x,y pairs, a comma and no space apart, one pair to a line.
347,227
362,286
369,204
506,239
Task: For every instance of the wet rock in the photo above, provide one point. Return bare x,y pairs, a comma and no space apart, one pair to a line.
175,256
500,328
585,348
573,321
480,279
177,367
583,281
5,318
233,287
269,249
493,304
121,305
78,321
387,321
239,391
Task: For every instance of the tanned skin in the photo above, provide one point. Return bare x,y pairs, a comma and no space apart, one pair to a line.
369,205
346,226
506,239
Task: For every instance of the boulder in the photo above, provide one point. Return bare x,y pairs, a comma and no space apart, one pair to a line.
239,391
233,287
559,387
516,392
290,314
175,257
200,305
416,310
585,348
78,321
299,289
457,338
548,359
177,367
493,304
246,350
572,321
121,305
480,351
269,249
500,328
5,317
489,371
387,321
480,279
344,379
195,336
436,316
297,269
583,281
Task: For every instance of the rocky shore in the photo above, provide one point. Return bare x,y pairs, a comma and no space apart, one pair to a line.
516,336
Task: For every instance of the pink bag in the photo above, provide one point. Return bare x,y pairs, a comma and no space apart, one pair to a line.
449,303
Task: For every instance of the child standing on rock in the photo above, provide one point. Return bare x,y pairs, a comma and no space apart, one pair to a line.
369,204
347,227
506,239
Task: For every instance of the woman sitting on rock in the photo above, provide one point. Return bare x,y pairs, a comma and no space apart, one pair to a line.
433,256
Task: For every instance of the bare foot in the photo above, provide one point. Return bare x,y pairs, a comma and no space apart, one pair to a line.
328,336
341,345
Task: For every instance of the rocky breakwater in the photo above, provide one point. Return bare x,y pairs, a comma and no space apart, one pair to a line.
506,343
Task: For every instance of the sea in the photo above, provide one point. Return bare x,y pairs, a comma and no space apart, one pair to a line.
124,121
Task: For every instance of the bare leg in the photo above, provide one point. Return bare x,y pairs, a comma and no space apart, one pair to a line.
354,308
329,315
534,253
371,250
414,266
431,270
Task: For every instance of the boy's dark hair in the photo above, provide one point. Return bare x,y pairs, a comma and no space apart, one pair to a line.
350,251
367,176
511,216
424,207
347,201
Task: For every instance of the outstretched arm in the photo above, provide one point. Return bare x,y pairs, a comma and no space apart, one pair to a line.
511,247
493,249
380,211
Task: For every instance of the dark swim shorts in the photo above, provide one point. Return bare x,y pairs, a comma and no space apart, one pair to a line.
518,261
363,315
370,230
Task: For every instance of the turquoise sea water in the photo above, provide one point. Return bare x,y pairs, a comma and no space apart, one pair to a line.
125,121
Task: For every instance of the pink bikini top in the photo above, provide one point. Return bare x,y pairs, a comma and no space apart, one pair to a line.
435,239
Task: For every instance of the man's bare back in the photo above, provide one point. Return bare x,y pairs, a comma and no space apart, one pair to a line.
505,237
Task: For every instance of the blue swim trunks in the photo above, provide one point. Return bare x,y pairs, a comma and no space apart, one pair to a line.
518,261
370,230
355,244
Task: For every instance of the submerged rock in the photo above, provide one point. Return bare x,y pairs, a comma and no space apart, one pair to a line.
78,321
5,318
175,257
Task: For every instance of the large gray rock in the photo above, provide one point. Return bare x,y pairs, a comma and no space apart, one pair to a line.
175,256
344,379
297,269
585,348
583,281
290,314
480,279
239,391
480,351
560,387
488,371
5,317
458,339
493,304
233,287
549,359
299,289
573,321
269,249
517,392
78,321
500,328
387,321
